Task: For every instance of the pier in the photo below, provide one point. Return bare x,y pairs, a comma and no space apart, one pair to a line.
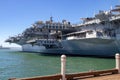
111,74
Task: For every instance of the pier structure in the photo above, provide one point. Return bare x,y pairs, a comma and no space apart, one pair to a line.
118,62
111,74
63,66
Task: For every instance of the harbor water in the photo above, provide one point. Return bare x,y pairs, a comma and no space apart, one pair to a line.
14,63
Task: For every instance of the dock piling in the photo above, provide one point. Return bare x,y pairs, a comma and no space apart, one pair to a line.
63,66
117,56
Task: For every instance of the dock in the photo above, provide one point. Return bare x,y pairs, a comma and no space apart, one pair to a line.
110,74
108,77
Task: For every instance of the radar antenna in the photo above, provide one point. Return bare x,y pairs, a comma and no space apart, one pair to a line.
51,19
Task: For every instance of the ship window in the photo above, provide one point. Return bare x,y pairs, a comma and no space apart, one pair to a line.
41,30
60,27
53,27
49,30
90,32
44,41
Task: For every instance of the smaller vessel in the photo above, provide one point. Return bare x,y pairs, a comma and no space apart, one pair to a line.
1,47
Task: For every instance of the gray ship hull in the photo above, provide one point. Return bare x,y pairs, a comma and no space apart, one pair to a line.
86,47
92,46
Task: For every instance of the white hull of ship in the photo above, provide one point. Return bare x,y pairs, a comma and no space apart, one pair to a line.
32,48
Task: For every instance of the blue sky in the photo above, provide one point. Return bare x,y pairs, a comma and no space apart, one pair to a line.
17,15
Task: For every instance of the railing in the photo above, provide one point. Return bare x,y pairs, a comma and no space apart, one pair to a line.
51,77
91,74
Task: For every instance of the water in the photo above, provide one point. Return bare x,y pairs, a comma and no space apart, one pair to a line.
18,64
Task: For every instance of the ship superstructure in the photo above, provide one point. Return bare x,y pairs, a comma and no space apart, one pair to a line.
98,36
43,34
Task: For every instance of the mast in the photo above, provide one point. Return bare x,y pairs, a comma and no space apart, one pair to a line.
51,19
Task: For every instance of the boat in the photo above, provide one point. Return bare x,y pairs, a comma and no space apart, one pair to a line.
94,36
1,47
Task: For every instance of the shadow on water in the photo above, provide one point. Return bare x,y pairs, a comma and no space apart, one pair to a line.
71,55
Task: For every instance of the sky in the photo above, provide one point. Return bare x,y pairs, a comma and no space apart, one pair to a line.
17,15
